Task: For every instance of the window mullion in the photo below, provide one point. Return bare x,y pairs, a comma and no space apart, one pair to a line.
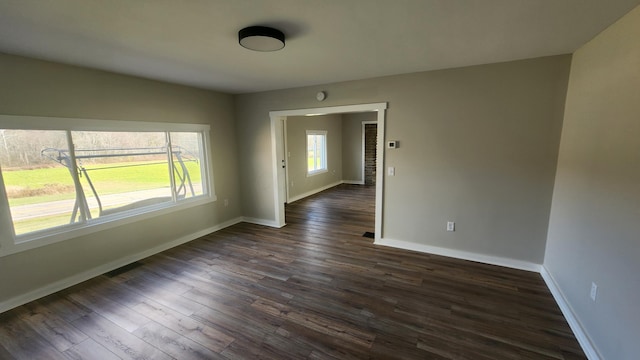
81,200
203,161
7,231
318,153
315,152
323,152
172,177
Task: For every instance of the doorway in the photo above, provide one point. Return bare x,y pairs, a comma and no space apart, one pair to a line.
278,154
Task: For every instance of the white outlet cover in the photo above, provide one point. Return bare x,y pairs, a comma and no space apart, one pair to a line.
451,226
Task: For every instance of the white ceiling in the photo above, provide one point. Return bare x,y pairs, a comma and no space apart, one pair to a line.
195,42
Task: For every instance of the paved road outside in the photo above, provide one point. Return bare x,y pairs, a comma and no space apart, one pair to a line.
31,211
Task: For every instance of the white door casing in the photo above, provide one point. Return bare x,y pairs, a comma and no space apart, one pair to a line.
278,154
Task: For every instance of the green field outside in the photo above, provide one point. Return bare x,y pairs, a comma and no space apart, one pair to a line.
51,184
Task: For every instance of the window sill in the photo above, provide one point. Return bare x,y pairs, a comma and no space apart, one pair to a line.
38,239
316,172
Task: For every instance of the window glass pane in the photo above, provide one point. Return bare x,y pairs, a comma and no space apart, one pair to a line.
40,190
311,163
121,171
188,164
320,151
316,152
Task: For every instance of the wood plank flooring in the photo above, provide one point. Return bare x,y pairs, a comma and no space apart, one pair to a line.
315,289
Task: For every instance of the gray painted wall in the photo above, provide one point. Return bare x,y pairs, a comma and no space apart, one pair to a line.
594,230
479,147
299,182
40,88
352,145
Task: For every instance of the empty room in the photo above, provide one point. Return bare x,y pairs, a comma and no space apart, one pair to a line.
340,179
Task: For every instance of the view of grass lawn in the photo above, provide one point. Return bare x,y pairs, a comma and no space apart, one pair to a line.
50,184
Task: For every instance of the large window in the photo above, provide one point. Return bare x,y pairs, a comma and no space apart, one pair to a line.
316,152
57,181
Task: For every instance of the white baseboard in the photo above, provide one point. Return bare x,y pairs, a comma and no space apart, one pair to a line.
314,191
353,182
459,254
265,222
99,270
582,337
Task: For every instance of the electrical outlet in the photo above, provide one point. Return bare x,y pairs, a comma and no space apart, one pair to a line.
451,226
226,202
594,291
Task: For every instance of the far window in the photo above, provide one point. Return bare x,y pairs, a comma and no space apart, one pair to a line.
316,152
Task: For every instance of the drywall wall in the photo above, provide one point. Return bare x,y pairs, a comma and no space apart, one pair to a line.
594,228
479,147
301,184
352,146
40,88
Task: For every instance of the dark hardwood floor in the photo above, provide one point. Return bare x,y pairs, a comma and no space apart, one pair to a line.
315,289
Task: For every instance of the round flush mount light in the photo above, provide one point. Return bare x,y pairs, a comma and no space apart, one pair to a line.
261,38
321,95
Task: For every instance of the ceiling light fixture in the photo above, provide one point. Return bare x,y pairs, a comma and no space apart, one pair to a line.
261,38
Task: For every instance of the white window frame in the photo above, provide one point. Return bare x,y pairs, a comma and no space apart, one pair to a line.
325,150
11,244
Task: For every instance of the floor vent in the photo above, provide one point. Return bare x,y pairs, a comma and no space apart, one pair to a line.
124,269
369,235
